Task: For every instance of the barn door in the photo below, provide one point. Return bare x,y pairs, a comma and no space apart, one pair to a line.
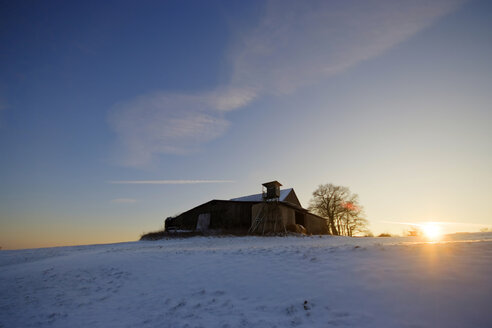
300,218
203,222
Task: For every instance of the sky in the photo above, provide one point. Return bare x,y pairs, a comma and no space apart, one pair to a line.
117,114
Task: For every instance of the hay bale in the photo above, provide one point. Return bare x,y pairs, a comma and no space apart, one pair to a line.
296,228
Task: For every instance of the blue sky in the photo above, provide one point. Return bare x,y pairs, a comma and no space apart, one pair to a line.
392,99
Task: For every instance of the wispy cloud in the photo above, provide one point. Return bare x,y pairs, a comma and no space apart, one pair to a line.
299,42
123,201
296,43
169,182
173,123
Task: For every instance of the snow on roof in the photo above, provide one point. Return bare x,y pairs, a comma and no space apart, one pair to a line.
259,197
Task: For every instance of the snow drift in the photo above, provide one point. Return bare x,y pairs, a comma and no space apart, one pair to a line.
251,282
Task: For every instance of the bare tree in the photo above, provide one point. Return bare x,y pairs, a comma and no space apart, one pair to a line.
341,208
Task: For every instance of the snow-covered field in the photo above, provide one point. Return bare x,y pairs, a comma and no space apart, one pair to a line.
252,282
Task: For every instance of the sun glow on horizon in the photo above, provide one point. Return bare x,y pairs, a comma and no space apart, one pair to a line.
431,230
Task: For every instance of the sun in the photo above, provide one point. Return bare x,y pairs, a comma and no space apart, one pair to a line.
432,230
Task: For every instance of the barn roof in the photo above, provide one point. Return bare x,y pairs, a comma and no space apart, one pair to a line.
259,197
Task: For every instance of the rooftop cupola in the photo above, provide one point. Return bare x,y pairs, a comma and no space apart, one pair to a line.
271,190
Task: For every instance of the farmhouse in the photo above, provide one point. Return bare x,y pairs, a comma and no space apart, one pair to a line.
272,211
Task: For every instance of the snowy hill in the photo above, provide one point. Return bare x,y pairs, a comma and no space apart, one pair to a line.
252,282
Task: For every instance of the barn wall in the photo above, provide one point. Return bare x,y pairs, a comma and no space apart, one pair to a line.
231,216
292,198
285,213
188,219
315,225
289,215
234,216
224,215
